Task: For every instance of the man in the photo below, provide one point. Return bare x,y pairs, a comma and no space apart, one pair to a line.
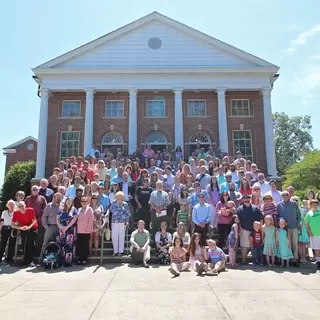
45,191
201,217
49,221
103,199
62,167
149,153
140,250
234,172
93,153
264,185
129,190
291,191
225,187
86,167
289,211
168,177
152,167
193,156
210,152
113,169
201,154
159,200
276,194
238,157
142,198
247,214
203,177
221,178
38,204
118,178
234,195
72,189
240,176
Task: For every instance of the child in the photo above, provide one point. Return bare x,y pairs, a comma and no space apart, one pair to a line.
284,249
269,236
183,214
178,257
232,240
216,259
255,239
303,238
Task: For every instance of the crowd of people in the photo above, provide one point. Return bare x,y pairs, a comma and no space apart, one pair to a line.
176,204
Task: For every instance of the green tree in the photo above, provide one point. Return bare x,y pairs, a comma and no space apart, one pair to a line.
293,139
305,174
17,178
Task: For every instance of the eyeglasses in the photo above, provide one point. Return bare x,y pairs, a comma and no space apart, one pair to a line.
35,190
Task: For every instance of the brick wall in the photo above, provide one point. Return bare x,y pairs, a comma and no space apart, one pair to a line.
22,154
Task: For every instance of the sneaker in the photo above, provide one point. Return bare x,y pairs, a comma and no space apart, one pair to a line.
200,268
31,265
145,265
304,260
215,272
115,254
174,272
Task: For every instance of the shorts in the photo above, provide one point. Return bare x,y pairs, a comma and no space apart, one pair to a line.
244,239
315,242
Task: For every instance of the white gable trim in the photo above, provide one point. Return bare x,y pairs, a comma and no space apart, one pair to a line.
18,143
161,18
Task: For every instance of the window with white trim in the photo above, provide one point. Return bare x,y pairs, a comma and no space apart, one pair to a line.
69,144
242,141
114,109
156,108
197,108
240,108
71,109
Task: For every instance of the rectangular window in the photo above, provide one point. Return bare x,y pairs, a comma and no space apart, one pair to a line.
197,108
242,141
71,109
114,109
156,108
69,144
240,108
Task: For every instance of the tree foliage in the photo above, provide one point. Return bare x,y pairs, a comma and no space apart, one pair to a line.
306,173
17,178
293,139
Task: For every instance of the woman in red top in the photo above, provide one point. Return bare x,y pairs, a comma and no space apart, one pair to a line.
135,173
24,219
245,187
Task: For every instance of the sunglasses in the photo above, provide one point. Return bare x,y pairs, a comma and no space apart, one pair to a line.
35,190
83,201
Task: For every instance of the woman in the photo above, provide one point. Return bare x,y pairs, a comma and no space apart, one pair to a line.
193,167
101,170
310,196
24,219
94,187
216,163
256,198
135,172
65,182
178,257
128,170
269,208
143,175
84,177
87,192
224,213
179,154
53,183
153,180
20,196
213,191
211,168
185,171
66,238
114,189
197,253
97,223
163,241
120,216
70,174
189,182
248,166
84,229
183,234
245,187
5,230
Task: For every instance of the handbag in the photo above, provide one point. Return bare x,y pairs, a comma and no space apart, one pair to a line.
108,234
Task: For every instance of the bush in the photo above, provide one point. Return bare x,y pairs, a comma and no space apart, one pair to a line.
17,178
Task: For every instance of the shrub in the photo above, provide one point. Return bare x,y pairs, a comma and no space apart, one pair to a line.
17,178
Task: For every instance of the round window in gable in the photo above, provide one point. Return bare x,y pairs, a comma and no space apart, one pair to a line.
30,146
155,43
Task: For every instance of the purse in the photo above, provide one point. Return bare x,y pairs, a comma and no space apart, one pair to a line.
108,234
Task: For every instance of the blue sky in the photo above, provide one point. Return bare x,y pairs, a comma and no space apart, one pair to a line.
286,33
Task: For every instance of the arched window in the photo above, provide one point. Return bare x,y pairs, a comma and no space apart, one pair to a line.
156,138
200,137
112,138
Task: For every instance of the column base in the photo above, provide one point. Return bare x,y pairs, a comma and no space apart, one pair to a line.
35,181
275,177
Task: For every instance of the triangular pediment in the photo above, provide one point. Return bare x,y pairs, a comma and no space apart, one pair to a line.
156,41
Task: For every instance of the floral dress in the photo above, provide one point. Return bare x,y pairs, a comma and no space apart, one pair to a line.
97,222
163,257
67,240
269,247
231,240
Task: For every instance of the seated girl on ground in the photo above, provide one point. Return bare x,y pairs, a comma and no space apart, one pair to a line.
178,257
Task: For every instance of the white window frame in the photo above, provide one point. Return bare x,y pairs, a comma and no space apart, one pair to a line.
156,100
113,117
70,117
79,141
197,115
242,151
241,116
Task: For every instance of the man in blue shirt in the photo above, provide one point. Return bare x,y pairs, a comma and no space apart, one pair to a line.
103,199
201,217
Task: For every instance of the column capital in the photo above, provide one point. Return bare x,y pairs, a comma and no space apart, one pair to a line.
89,91
266,92
44,92
133,92
221,91
178,91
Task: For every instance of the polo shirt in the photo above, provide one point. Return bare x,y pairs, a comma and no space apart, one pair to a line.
248,215
312,218
25,219
140,238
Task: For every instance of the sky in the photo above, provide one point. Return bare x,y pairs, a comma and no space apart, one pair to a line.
286,33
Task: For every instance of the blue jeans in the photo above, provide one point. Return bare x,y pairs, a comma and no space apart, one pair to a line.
257,254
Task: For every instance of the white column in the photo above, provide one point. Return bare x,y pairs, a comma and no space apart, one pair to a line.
178,119
133,122
42,135
268,131
222,121
88,123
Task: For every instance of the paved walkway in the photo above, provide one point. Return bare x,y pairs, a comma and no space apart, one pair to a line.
125,292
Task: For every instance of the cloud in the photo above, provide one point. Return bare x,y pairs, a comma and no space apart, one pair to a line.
303,38
289,27
315,57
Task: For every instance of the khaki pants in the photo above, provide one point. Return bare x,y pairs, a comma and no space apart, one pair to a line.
184,266
293,240
139,257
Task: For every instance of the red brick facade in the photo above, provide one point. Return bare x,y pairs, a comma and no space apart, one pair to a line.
207,124
23,152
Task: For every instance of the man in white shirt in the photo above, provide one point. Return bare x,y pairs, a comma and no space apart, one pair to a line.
234,172
276,194
264,185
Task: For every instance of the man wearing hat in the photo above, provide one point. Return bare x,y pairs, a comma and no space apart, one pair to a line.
289,211
201,217
247,214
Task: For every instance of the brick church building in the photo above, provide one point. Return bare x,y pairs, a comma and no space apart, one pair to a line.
155,81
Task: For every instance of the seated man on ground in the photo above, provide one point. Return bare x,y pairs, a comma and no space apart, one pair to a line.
140,249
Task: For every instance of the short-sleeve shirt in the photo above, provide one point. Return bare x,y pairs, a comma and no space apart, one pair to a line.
256,238
248,215
143,195
25,219
312,218
177,254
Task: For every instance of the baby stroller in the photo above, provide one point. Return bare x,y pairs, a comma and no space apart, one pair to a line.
51,256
